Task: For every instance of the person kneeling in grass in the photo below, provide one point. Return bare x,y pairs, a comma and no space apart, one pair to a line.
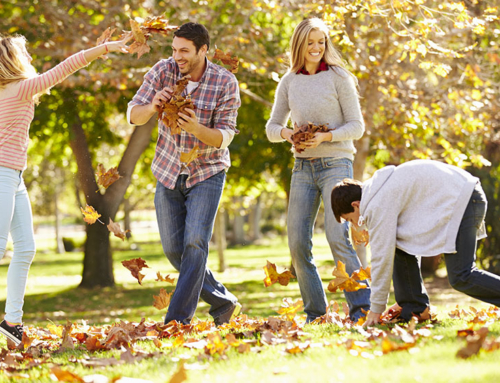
420,208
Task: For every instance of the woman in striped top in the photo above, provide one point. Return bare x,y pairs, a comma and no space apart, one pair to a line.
20,88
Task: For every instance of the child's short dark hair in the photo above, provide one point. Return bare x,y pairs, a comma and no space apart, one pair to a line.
343,195
194,32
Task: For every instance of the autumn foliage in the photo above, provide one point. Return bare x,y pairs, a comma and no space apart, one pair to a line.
304,133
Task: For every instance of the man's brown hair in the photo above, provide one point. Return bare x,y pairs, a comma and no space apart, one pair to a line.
343,195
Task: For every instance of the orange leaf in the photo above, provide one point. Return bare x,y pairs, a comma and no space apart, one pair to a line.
139,48
135,265
289,308
65,376
474,343
162,300
105,36
227,59
297,348
272,275
116,230
342,280
362,274
90,215
164,279
187,158
106,178
180,375
157,25
136,31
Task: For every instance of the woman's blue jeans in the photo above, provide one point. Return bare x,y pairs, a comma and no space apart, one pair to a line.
313,180
463,274
16,218
186,218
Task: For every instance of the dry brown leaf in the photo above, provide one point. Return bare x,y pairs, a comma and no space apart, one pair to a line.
67,341
116,230
105,36
180,375
227,59
290,308
474,343
160,278
162,300
106,178
272,275
90,215
65,376
135,265
187,158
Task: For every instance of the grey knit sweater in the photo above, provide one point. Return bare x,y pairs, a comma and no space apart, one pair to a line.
416,207
329,98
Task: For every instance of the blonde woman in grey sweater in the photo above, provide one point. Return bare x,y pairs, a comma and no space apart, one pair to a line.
318,89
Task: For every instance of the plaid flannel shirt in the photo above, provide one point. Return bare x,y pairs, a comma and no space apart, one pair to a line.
217,99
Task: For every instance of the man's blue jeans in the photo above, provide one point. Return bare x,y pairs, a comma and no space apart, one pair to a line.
186,218
461,266
313,180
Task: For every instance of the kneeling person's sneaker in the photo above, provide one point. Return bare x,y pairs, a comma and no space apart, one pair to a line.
227,316
14,333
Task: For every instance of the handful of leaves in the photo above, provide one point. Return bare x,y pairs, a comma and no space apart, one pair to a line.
169,112
305,132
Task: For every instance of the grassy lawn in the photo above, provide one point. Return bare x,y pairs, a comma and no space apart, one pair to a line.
52,297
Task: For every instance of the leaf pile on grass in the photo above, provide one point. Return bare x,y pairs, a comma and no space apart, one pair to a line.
42,346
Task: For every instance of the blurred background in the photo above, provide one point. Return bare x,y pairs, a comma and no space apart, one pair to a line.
428,75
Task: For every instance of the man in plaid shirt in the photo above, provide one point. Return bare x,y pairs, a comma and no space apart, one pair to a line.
188,195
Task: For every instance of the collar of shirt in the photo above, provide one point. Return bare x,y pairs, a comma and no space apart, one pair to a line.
323,66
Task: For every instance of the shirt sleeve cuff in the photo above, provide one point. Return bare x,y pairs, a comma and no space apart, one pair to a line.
377,308
129,110
227,138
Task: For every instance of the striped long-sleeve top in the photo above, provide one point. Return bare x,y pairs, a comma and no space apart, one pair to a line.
17,109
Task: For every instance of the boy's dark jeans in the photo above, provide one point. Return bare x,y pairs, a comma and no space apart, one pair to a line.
461,266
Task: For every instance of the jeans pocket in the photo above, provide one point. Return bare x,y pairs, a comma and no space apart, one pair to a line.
297,166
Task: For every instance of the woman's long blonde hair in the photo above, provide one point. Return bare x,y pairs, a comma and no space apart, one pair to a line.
300,39
14,63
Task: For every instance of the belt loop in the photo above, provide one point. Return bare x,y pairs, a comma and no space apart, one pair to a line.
323,162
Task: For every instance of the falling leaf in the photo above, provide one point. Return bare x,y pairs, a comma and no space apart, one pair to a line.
162,300
342,280
272,275
160,278
138,48
90,215
187,158
105,36
116,230
290,308
474,343
157,25
180,375
135,266
136,31
106,178
227,59
362,274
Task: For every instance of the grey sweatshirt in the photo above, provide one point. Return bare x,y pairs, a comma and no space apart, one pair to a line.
329,98
416,207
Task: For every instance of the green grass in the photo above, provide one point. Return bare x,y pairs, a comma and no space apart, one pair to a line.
52,296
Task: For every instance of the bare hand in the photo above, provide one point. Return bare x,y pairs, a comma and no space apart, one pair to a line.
119,45
188,122
318,138
287,134
372,319
161,97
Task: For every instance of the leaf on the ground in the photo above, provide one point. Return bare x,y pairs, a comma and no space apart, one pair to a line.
342,280
272,276
67,341
297,348
227,59
116,230
90,215
162,300
105,36
180,375
61,375
93,344
160,278
106,178
135,266
187,158
215,344
474,343
389,345
290,308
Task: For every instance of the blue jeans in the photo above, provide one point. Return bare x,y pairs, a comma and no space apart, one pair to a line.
186,218
313,180
461,266
16,218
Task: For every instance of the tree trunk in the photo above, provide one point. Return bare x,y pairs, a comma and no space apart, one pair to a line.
59,242
362,147
220,237
98,261
254,219
127,209
238,230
